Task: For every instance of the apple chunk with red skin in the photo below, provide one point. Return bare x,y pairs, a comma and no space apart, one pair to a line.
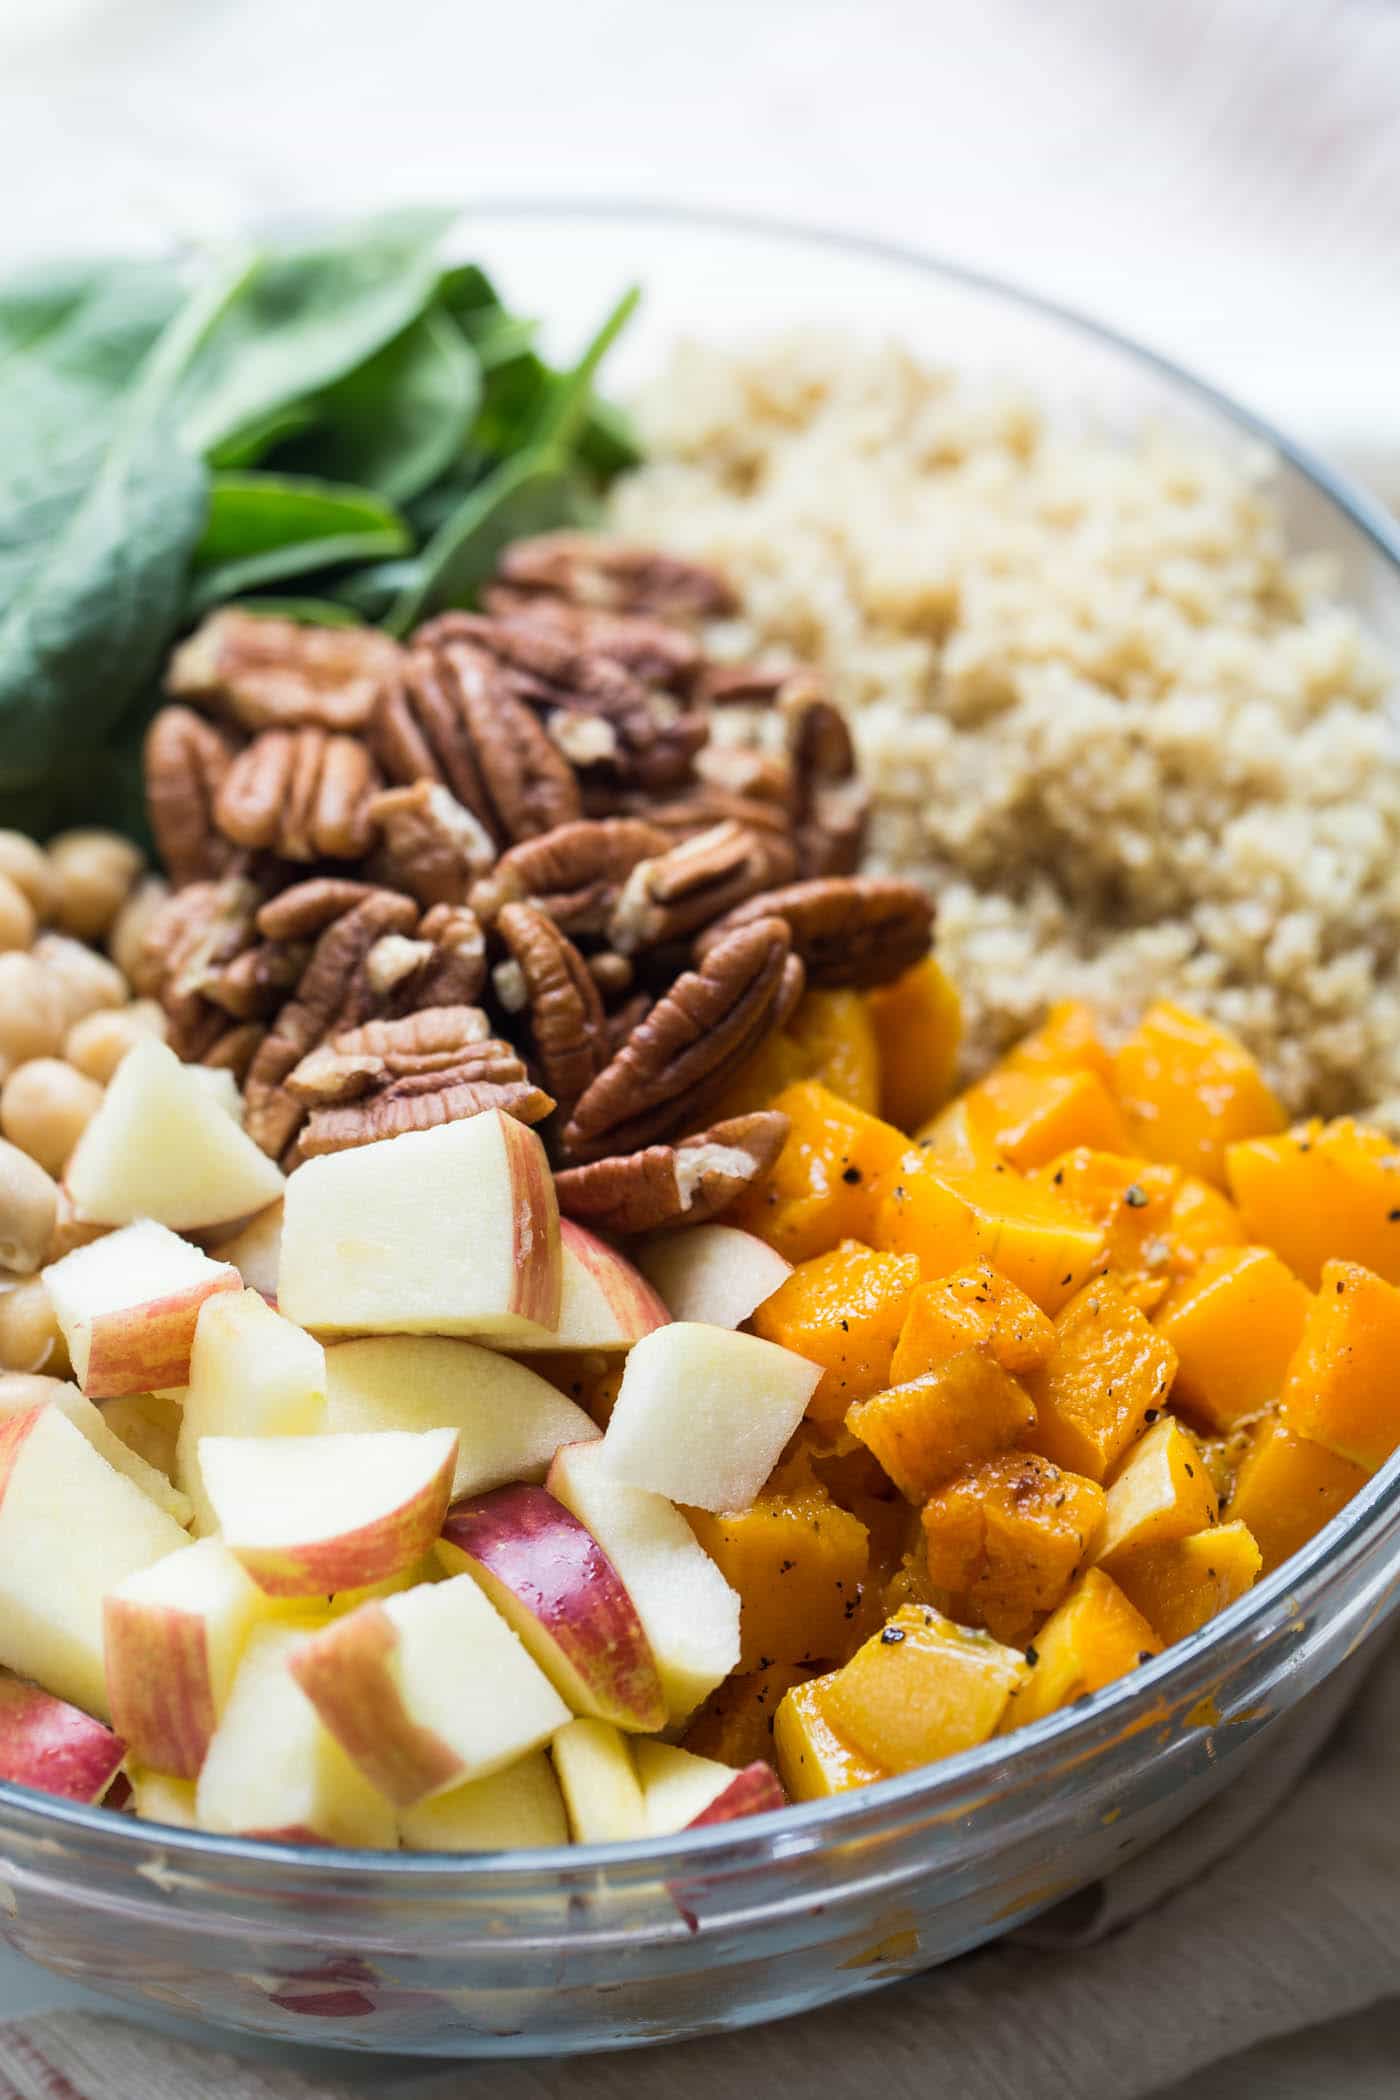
447,1231
604,1302
173,1636
310,1515
252,1374
712,1273
555,1587
128,1304
683,1791
52,1746
427,1690
256,1251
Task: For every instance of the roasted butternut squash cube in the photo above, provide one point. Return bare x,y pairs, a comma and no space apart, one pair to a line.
1234,1325
827,1453
922,1688
1189,1090
1094,1637
821,1187
1201,1221
1161,1491
950,1218
834,1033
925,1431
1097,1391
814,1759
735,1725
589,1377
1178,1586
1130,1200
1322,1192
842,1310
958,1137
1068,1040
798,1562
974,1308
1287,1488
1006,1538
918,1027
1342,1387
1032,1116
777,1063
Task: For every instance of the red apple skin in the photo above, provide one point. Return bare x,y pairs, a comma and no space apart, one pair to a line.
638,1308
538,1262
552,1582
52,1746
140,1347
753,1791
157,1663
354,1559
347,1673
13,1431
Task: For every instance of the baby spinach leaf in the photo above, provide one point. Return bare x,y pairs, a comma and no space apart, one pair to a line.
533,492
263,528
307,612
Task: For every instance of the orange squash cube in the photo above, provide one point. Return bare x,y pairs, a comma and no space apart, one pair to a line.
1006,1539
1201,1221
958,1137
922,1688
1094,1637
1128,1198
1108,1374
1068,1040
1234,1325
835,1039
1322,1192
814,1760
1033,1116
798,1562
821,1187
1342,1387
589,1377
1161,1491
965,1410
842,1310
735,1725
975,1308
918,1028
1178,1586
1189,1089
950,1218
1287,1488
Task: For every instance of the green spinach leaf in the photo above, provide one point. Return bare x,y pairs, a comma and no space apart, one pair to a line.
264,528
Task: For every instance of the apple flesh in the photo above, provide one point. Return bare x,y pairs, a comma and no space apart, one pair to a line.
127,1305
148,1424
163,1145
689,1613
256,1251
93,1423
48,1744
509,1420
703,1414
71,1529
517,1809
252,1374
712,1273
598,1779
555,1587
604,1302
273,1770
447,1231
157,1798
427,1690
754,1790
172,1635
309,1515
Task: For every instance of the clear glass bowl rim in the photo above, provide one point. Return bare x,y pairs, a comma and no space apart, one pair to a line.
1185,1670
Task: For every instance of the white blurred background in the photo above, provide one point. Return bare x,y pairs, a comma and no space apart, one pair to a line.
1218,177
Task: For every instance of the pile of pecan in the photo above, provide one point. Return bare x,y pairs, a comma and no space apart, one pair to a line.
550,857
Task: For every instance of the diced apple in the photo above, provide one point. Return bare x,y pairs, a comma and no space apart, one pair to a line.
598,1779
128,1304
173,1636
157,1798
704,1413
676,1785
754,1790
308,1515
256,1251
71,1528
273,1770
148,1424
221,1087
252,1374
52,1746
688,1611
712,1273
555,1587
453,1230
92,1421
163,1146
604,1302
427,1690
509,1420
518,1808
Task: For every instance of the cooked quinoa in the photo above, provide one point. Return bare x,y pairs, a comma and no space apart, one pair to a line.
1132,742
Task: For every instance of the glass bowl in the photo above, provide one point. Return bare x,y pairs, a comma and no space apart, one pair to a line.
603,1947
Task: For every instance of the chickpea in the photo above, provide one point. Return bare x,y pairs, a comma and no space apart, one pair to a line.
85,979
28,1208
70,1231
17,921
97,1044
34,1016
30,1336
45,1107
27,866
95,871
126,941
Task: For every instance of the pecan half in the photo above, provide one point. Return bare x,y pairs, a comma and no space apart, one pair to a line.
682,1054
255,983
615,576
694,883
194,938
359,1059
301,793
705,806
186,761
651,649
235,1048
666,1185
431,845
268,673
456,972
832,805
574,873
308,908
566,1020
848,929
